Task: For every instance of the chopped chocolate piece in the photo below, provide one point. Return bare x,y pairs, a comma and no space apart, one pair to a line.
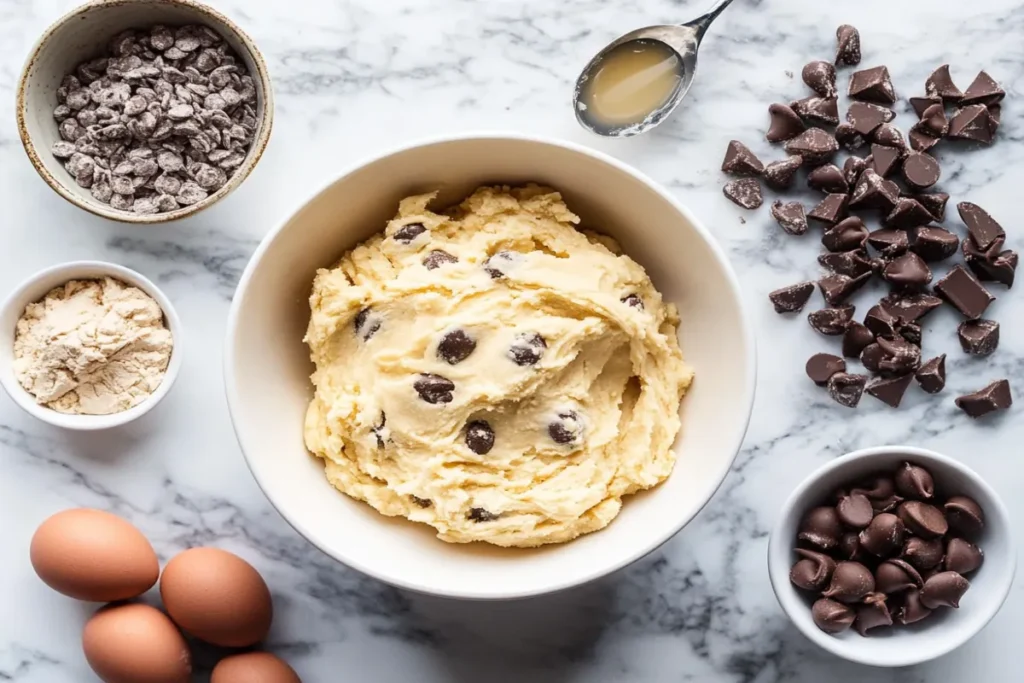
884,536
790,217
920,140
978,337
908,213
791,299
437,258
995,113
963,291
934,121
481,515
779,174
890,390
828,178
934,203
566,428
831,322
785,124
848,137
408,232
455,347
849,233
923,520
865,118
434,389
884,159
831,209
814,108
813,571
852,263
965,516
846,389
739,160
837,288
745,192
935,244
940,84
944,590
894,576
528,347
973,122
899,356
993,264
922,553
882,321
921,104
480,437
851,581
874,192
932,375
911,332
911,611
821,366
847,45
815,146
995,396
821,78
983,229
832,616
889,242
854,509
856,338
962,557
821,528
914,482
873,85
920,170
852,168
873,613
911,307
871,357
908,270
984,90
890,136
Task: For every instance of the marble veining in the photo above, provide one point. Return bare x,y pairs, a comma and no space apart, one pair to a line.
358,76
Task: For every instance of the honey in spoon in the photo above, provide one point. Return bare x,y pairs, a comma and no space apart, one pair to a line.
631,82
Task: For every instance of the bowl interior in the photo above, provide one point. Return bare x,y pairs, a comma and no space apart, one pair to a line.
85,34
268,365
946,629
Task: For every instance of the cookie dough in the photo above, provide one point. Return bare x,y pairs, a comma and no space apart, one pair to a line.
493,372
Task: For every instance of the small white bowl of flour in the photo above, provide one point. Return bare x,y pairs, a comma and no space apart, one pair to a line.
88,345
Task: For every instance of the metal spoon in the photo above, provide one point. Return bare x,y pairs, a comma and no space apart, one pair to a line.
683,39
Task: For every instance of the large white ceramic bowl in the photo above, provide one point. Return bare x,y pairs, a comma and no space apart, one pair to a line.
267,365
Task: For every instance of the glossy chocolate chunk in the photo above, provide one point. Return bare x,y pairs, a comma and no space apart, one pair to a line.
828,178
934,202
923,554
871,357
920,171
813,571
831,209
899,356
872,613
890,136
911,332
908,270
914,482
820,77
455,346
885,160
944,590
911,610
963,291
739,160
791,299
978,337
851,581
872,85
437,258
852,263
817,109
882,321
790,216
884,535
821,366
907,214
934,121
846,389
852,168
866,118
973,122
855,510
434,389
983,90
894,576
935,244
923,520
821,528
993,398
832,616
785,123
889,242
815,146
408,232
779,175
940,84
910,307
982,228
480,437
848,137
921,140
856,338
876,487
932,375
890,390
847,45
874,192
849,547
993,264
920,104
837,288
849,234
962,557
965,516
745,193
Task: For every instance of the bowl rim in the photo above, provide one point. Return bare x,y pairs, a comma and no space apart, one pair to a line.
18,299
253,155
780,560
745,332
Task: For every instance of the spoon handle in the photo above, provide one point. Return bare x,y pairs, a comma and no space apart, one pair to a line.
702,23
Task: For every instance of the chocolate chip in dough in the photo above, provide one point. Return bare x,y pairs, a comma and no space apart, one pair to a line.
820,77
935,244
481,515
944,590
779,175
821,528
851,581
978,337
744,192
831,209
455,347
813,571
366,324
983,90
962,557
993,398
963,291
421,502
890,390
408,232
828,178
838,288
965,516
884,535
923,520
633,301
437,258
480,437
785,124
821,366
856,338
846,389
973,122
527,348
790,217
914,482
932,375
873,85
847,45
866,118
920,171
817,109
434,389
831,322
498,265
739,160
815,146
981,227
854,509
566,428
873,612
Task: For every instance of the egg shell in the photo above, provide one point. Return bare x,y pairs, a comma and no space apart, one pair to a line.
217,597
93,555
254,667
136,643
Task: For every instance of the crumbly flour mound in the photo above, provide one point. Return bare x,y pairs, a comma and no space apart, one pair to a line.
493,372
92,347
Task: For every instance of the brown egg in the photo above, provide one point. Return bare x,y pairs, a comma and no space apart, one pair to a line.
135,644
93,555
253,667
217,597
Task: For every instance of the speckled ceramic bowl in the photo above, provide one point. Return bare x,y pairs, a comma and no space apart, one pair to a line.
84,33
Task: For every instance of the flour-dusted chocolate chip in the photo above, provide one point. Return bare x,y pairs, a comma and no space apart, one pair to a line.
890,390
633,301
434,389
852,263
934,121
856,338
832,616
935,244
965,516
480,437
963,291
907,270
874,192
983,90
872,613
813,571
993,398
408,232
848,137
744,192
566,428
932,375
944,589
437,258
820,77
821,528
940,84
889,242
837,288
817,109
982,228
885,160
896,576
973,122
831,322
914,482
855,509
527,348
851,582
847,45
962,557
815,146
923,520
821,366
481,515
790,216
920,170
779,175
846,389
978,337
828,178
785,124
366,323
872,85
884,535
934,203
455,346
830,210
866,118
501,263
739,160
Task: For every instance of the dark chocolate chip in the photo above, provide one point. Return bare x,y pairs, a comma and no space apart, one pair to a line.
831,209
853,263
963,291
846,389
921,140
848,137
965,516
889,136
855,509
911,610
527,348
832,616
813,571
847,45
437,258
882,321
745,193
922,519
934,203
455,347
567,428
973,122
911,332
852,168
934,121
633,301
421,502
872,613
920,170
790,217
831,322
910,307
779,175
874,192
940,84
982,228
871,357
889,241
923,554
866,118
876,487
894,576
978,337
739,160
838,288
935,244
828,178
851,581
932,375
849,547
944,590
785,124
481,515
821,366
993,264
366,323
815,146
914,482
907,214
983,90
884,159
821,528
884,535
994,397
791,299
890,390
817,109
821,78
434,389
899,356
920,104
498,265
408,232
962,557
480,437
873,85
908,270
856,338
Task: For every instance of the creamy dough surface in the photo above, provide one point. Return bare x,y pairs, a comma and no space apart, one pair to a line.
493,372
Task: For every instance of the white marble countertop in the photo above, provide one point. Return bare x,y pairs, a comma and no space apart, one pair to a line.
355,76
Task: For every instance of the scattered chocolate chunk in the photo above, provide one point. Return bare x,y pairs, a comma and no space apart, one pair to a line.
993,264
921,140
847,45
935,244
885,159
872,85
882,321
908,270
911,332
914,482
528,347
852,263
821,528
832,616
923,554
848,137
962,557
940,84
874,192
932,375
934,203
791,299
934,121
815,146
944,590
872,613
821,78
899,356
982,228
434,389
408,232
856,338
846,389
817,109
837,288
871,357
821,366
437,258
907,214
983,90
813,571
481,515
480,437
855,509
889,242
978,337
921,104
828,178
498,265
633,301
973,122
912,611
894,576
366,323
920,170
963,291
994,397
779,175
848,234
890,136
852,168
739,160
851,581
866,118
884,535
785,124
965,516
923,520
910,307
831,209
455,347
745,193
890,390
567,428
790,216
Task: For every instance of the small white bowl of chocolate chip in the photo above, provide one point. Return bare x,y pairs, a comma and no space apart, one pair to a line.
892,556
